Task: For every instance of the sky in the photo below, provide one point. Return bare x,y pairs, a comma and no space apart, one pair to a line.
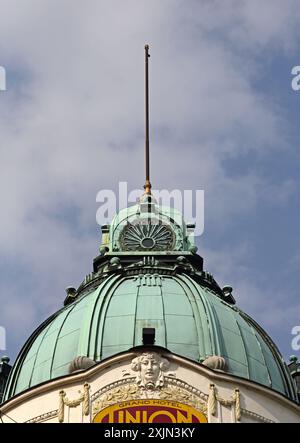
223,118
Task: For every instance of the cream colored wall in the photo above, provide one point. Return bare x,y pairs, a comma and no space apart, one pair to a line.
257,403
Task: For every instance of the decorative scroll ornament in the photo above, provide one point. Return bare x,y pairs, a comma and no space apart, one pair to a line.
233,401
64,401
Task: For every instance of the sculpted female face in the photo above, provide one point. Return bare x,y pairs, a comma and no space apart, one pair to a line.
149,368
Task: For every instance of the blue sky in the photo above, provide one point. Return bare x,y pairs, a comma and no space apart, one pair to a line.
224,118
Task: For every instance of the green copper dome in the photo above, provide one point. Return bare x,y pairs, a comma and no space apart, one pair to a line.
138,285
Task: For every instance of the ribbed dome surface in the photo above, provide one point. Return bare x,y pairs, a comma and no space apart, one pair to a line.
189,319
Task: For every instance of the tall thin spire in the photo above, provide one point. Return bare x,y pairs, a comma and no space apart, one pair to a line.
147,185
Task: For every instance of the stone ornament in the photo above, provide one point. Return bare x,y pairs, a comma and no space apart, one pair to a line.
234,400
176,393
116,395
215,362
213,398
150,367
64,401
80,364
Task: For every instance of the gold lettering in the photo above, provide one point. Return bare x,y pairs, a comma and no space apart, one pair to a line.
157,413
141,413
144,417
129,418
120,417
181,418
111,416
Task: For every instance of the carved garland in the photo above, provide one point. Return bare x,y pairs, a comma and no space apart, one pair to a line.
111,386
233,401
174,393
127,392
64,401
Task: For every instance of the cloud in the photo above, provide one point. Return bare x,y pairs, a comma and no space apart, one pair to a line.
253,26
274,307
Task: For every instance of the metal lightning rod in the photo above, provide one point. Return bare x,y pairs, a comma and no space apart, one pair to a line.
147,185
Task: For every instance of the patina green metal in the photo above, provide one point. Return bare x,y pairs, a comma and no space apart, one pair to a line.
149,214
189,320
156,288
